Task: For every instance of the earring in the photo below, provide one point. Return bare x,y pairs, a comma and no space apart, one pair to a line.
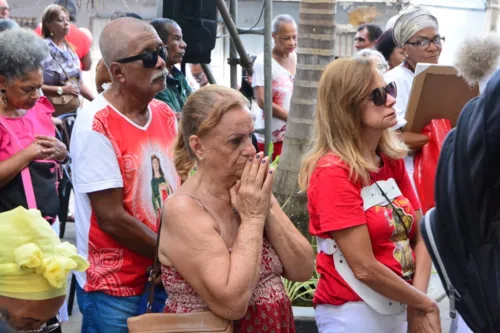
51,34
3,98
200,158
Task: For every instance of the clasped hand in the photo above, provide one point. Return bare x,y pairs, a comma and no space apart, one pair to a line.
47,148
251,195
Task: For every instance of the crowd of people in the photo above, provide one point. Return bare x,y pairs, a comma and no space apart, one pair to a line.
154,160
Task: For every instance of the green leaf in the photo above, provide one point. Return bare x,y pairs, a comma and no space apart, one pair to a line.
275,163
270,150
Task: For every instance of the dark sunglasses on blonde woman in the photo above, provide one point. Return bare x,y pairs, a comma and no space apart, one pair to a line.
379,95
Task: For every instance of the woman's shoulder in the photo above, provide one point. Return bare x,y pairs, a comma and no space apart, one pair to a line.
43,105
393,165
332,165
398,73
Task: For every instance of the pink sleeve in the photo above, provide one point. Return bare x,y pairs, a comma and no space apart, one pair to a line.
336,200
404,183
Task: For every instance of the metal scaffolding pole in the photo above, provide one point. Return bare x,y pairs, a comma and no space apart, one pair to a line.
268,80
208,73
233,32
233,54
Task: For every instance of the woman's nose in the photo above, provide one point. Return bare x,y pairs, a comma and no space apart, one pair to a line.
390,101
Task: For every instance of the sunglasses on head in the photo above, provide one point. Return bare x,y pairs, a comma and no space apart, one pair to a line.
149,59
379,95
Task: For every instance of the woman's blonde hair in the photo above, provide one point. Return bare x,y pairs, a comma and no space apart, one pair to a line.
202,112
344,86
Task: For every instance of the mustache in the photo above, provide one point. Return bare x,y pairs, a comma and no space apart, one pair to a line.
159,75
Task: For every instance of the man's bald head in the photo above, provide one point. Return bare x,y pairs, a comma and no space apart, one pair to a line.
4,9
118,37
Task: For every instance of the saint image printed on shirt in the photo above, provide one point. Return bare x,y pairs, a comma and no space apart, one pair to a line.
160,187
402,251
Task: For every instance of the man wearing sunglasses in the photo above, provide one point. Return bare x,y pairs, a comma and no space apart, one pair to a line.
114,140
4,9
178,89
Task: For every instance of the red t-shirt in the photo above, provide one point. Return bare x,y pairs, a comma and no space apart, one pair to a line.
75,37
335,203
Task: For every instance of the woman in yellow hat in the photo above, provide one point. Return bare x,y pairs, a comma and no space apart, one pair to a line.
34,267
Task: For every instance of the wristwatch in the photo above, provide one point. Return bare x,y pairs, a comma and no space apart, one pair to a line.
59,91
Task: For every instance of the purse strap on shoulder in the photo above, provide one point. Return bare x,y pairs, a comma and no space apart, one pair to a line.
64,71
155,266
25,173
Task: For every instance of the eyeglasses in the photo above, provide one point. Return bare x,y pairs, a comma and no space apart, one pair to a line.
149,59
47,328
425,42
7,9
379,95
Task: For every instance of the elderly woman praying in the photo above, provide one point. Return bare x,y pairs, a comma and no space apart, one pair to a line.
27,134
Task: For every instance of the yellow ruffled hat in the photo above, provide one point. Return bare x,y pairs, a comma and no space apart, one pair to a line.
34,264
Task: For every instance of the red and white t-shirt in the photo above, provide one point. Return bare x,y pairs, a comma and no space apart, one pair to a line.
110,151
282,96
335,203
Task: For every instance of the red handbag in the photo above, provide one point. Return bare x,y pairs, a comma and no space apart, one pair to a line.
426,161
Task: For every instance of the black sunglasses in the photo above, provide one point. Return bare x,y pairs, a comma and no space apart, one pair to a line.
149,59
379,95
47,328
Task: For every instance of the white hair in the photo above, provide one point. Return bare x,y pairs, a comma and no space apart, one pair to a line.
412,21
284,18
380,63
478,57
22,52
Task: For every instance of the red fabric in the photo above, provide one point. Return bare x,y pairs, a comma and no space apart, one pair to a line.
269,309
277,148
335,203
114,268
77,38
426,161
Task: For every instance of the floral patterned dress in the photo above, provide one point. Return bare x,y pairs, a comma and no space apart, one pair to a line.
269,309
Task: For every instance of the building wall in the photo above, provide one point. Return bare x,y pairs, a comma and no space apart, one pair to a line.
455,22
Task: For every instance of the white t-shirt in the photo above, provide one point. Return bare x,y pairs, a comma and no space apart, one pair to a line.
282,95
403,78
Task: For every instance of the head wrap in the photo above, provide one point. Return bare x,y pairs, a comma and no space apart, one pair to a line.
412,21
34,264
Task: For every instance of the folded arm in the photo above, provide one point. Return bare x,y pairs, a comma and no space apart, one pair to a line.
356,246
119,224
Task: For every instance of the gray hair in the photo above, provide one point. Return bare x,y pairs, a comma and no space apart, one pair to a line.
478,57
162,27
7,24
22,52
412,21
284,18
378,59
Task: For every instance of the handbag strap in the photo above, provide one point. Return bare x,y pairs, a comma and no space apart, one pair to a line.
155,265
64,71
392,206
25,173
